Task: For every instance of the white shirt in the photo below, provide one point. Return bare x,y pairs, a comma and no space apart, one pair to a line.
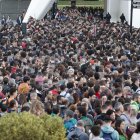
63,93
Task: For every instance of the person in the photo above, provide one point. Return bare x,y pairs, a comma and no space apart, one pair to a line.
95,133
122,17
13,95
119,109
82,115
24,87
136,135
13,106
108,18
120,127
107,131
19,19
78,132
69,121
37,108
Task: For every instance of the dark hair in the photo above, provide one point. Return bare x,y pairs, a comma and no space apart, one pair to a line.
82,110
117,91
110,112
12,103
96,88
56,109
5,80
26,78
12,90
126,106
117,126
108,103
97,75
3,108
96,130
48,107
25,108
138,127
90,92
98,122
62,87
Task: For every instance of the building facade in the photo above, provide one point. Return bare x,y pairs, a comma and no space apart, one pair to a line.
13,7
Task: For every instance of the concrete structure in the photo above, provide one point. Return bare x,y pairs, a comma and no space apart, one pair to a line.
117,7
13,7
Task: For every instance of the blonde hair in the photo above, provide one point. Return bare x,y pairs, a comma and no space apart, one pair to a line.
37,108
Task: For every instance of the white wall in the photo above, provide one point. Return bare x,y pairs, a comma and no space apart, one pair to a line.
38,9
113,6
117,7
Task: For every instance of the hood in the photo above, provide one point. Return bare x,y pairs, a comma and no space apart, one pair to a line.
107,129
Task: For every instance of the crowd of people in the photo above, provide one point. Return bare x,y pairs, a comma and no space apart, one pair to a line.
78,66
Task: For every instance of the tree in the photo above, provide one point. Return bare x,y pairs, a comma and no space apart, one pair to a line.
26,126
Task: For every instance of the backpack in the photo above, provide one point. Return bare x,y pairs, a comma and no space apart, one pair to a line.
107,136
87,126
75,137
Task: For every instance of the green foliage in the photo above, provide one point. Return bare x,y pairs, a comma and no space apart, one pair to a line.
26,126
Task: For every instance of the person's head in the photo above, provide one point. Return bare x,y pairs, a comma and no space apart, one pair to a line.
136,97
135,80
104,108
80,124
13,92
111,114
107,120
96,129
98,122
37,108
4,108
96,88
138,127
81,111
133,111
56,109
118,92
26,79
69,114
120,125
62,87
127,107
33,96
104,98
118,108
13,105
25,109
108,104
5,80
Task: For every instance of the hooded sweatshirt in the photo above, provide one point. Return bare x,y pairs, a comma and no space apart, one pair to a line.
135,136
109,130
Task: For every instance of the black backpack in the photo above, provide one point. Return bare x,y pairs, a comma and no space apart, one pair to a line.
75,136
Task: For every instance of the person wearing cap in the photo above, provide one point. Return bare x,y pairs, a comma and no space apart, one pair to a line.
78,132
69,122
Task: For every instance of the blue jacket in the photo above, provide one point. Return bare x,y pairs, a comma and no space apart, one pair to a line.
108,129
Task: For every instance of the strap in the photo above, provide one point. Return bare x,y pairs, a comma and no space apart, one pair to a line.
126,117
65,94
